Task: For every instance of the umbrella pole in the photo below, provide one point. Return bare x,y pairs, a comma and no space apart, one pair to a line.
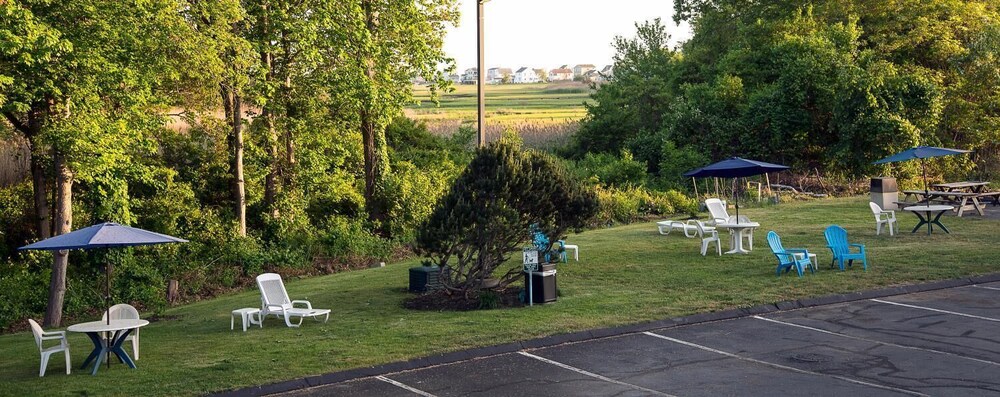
737,208
927,193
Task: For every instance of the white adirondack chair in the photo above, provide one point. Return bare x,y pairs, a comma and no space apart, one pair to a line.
708,235
274,300
883,217
124,311
720,215
40,337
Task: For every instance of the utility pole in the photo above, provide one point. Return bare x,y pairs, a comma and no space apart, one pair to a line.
481,81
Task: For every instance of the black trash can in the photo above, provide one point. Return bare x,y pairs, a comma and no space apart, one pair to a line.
885,193
543,284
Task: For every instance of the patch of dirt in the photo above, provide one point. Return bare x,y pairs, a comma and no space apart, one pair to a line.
441,300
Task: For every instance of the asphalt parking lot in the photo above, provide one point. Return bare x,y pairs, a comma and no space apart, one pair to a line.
943,342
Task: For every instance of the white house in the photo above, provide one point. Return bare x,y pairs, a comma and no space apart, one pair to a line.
525,75
496,75
561,74
580,70
471,76
542,74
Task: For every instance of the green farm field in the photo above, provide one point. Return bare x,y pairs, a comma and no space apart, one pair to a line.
506,103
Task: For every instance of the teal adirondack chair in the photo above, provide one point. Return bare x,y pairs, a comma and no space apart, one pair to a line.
788,258
836,240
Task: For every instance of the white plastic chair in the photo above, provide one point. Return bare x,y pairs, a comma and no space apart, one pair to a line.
41,336
274,300
882,217
124,311
708,235
720,215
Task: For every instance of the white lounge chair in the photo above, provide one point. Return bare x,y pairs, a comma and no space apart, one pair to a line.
274,300
124,311
665,227
720,215
883,217
41,336
708,235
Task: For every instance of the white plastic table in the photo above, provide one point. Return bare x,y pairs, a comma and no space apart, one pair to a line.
924,212
117,331
736,239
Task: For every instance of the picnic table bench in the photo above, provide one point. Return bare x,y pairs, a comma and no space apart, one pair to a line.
961,200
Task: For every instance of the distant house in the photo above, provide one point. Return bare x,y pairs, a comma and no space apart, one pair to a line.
471,76
561,74
542,74
580,70
525,75
593,76
608,71
455,78
496,75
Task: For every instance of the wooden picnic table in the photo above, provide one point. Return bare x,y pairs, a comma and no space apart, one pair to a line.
969,186
963,200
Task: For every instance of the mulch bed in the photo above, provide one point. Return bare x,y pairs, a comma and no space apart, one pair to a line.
441,300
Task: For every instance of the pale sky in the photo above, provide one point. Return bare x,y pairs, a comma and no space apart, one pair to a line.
550,33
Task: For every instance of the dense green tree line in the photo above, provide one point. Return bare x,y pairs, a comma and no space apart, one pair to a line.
298,160
829,84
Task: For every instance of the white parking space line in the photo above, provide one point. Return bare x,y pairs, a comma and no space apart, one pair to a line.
937,310
593,375
873,340
985,287
779,366
404,386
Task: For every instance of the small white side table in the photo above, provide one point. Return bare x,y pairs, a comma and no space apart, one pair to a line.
248,315
812,259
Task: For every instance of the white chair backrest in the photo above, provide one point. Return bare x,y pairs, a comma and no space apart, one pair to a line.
875,209
272,290
717,208
121,311
37,331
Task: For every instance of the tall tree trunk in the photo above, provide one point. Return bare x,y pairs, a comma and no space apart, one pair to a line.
64,223
271,144
271,180
239,192
39,185
374,203
233,105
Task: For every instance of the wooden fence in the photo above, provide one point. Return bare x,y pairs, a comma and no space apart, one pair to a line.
15,161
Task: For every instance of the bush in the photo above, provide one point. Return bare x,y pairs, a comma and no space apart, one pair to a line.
490,207
611,170
636,203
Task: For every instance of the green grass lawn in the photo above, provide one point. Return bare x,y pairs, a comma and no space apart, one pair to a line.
626,275
541,103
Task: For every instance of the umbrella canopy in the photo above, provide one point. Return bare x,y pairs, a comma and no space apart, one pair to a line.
102,235
735,167
921,152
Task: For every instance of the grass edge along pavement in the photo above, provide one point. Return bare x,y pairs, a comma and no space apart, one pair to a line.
627,275
595,334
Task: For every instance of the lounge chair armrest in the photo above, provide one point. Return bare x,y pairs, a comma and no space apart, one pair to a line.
273,308
797,250
50,336
308,305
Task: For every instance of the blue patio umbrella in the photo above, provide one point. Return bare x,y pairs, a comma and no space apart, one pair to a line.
921,152
104,235
735,167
